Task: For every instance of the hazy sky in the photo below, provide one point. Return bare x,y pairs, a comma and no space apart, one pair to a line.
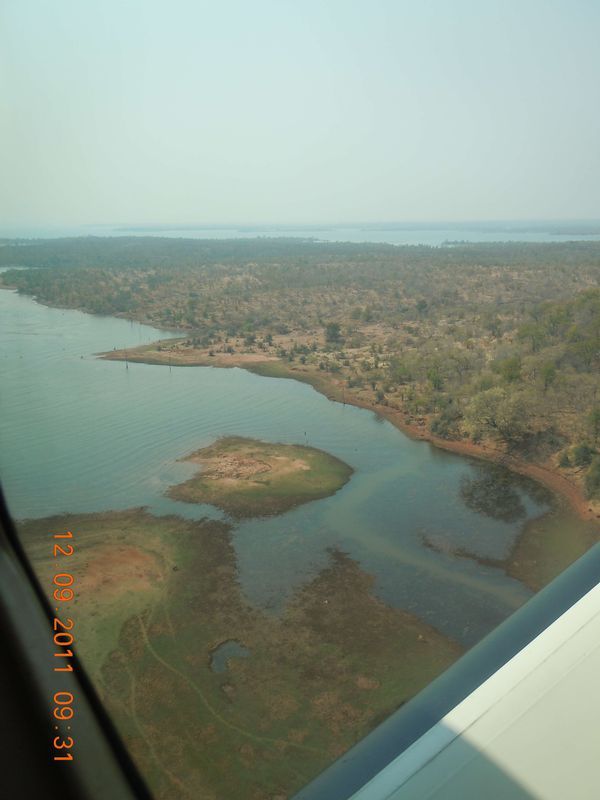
308,111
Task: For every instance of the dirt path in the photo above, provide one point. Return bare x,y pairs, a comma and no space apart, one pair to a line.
259,739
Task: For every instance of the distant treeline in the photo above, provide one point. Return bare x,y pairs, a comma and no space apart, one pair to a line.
147,252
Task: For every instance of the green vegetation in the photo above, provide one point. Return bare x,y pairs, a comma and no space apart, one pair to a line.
249,478
592,478
543,550
156,596
495,343
121,568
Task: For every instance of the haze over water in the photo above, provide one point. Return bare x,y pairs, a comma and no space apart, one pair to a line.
401,233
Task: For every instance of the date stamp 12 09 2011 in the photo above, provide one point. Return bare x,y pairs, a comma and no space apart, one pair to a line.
63,593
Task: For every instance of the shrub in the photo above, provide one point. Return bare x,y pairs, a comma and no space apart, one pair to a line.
564,460
355,382
592,479
445,424
582,455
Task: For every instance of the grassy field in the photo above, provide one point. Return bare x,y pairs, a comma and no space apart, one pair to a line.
250,478
156,596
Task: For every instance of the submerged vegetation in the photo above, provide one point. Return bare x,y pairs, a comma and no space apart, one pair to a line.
491,343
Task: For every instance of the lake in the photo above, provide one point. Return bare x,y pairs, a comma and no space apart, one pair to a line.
80,434
400,233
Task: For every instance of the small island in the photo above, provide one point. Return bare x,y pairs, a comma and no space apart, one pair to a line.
250,478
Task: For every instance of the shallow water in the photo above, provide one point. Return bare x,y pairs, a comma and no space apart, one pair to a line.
221,655
79,434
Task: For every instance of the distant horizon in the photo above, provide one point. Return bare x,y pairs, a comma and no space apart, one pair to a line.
432,222
401,233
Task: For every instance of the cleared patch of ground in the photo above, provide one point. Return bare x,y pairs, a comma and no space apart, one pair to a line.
178,353
250,478
315,680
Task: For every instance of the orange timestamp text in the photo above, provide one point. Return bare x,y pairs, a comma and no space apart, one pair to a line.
63,637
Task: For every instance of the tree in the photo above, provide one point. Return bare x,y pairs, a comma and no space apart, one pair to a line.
548,373
582,455
399,371
498,412
508,368
592,479
435,378
532,333
332,332
594,420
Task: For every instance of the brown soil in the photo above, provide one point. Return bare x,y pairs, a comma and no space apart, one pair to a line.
232,467
173,353
108,571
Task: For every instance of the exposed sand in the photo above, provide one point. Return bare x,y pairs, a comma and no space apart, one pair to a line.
231,467
173,353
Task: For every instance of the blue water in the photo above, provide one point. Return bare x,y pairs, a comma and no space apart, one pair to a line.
430,233
80,434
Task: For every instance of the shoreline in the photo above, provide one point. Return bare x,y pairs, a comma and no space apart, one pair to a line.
548,477
274,367
485,452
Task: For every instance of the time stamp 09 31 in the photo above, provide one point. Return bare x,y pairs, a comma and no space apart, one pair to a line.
63,638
